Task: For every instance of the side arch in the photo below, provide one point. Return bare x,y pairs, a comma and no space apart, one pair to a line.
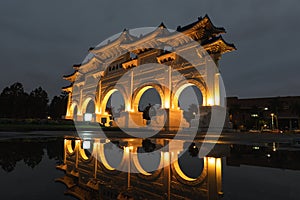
184,84
86,102
107,94
73,110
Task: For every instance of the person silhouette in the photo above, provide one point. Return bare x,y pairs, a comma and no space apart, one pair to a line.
146,112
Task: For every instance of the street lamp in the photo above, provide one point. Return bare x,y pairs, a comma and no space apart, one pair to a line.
276,118
272,115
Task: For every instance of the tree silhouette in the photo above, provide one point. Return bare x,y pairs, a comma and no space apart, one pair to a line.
38,103
58,106
13,101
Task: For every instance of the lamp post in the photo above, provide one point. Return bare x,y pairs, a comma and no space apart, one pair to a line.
277,125
272,115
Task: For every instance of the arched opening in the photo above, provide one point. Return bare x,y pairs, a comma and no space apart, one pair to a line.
89,113
85,149
74,112
90,108
70,145
150,96
189,99
192,167
150,103
113,154
189,166
144,95
115,104
148,158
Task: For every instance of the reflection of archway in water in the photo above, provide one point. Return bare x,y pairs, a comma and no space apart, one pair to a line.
150,96
113,155
115,104
149,162
188,163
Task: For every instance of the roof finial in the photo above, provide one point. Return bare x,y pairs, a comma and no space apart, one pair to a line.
162,25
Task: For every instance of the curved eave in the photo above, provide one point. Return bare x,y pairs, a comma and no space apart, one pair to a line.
76,66
68,88
219,41
216,30
195,25
70,77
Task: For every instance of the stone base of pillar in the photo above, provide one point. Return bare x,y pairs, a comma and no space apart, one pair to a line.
175,120
68,117
130,120
79,118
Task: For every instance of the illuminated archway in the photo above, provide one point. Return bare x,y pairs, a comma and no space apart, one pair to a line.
115,158
139,93
73,111
139,157
87,150
184,85
88,103
108,96
185,178
88,109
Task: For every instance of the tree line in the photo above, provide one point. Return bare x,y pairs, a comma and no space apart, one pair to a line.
15,103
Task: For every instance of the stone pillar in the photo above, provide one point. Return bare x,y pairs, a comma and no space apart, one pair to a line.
80,114
210,82
167,90
217,89
130,120
69,111
175,120
98,100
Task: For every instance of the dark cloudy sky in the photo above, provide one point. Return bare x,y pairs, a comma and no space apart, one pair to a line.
40,40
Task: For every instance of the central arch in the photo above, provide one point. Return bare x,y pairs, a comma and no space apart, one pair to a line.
140,91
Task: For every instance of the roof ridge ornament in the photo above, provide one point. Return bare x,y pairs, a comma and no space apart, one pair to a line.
162,25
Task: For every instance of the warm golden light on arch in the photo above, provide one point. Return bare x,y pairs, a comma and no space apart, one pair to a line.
105,100
103,158
180,172
138,96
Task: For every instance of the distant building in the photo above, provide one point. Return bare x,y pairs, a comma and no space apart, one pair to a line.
272,113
